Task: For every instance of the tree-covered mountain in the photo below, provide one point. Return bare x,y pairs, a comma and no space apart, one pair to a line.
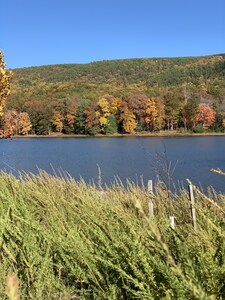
174,82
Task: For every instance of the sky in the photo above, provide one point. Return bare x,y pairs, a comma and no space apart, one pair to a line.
43,32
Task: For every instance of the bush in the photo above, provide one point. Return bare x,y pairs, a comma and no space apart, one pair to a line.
198,129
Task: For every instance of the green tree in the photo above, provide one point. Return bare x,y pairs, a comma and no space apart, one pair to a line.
173,101
188,112
40,113
111,126
80,126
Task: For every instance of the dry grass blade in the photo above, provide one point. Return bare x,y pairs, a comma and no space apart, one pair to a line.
12,287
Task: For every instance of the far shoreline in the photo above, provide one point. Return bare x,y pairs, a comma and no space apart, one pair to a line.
145,134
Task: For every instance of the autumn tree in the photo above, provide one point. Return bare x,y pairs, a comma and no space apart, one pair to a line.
57,120
10,123
103,113
4,83
223,124
136,103
24,123
150,114
205,115
91,119
70,118
128,120
159,122
115,104
67,108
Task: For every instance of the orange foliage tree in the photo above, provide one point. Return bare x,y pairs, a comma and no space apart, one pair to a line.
136,103
91,119
205,115
10,123
16,123
70,118
71,115
24,123
150,114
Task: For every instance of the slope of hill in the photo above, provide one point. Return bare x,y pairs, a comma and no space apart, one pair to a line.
118,75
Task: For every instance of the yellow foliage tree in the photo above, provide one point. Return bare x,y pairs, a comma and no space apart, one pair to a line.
128,120
24,123
103,112
150,113
115,105
4,83
159,121
102,121
223,123
104,106
57,120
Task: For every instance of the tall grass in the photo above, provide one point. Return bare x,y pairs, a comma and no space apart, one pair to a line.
68,240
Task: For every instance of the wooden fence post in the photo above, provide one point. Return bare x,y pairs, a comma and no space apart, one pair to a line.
192,199
172,222
150,199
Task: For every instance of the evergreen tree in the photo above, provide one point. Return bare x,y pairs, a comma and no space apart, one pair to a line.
80,126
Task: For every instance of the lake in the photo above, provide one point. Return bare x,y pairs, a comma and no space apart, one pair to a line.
126,157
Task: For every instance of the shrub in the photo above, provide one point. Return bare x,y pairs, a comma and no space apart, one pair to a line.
198,129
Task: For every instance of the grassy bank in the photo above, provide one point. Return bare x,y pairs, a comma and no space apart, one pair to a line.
67,240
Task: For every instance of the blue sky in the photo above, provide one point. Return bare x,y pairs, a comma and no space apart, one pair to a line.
42,32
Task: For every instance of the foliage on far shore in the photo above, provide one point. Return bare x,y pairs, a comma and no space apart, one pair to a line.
4,83
62,239
124,96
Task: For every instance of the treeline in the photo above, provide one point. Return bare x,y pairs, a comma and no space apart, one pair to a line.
122,96
136,113
110,115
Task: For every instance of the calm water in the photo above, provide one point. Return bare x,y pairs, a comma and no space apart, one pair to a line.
132,158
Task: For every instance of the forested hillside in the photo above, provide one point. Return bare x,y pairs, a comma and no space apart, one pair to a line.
119,96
